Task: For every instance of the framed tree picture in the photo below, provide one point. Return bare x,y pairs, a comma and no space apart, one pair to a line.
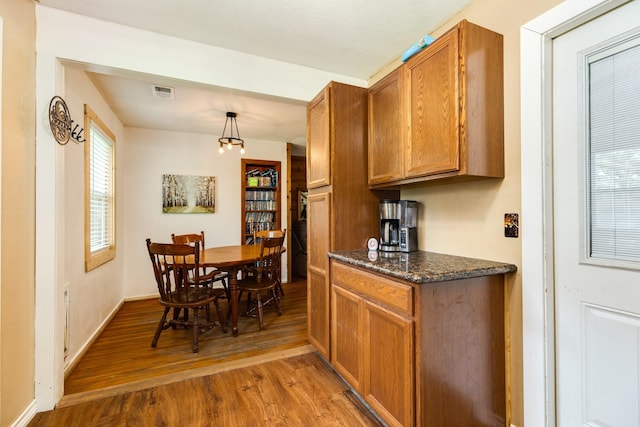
188,194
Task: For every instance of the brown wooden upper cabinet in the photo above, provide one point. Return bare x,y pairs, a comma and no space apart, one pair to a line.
318,129
440,115
387,129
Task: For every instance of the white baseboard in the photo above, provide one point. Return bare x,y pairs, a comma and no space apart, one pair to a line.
141,297
25,418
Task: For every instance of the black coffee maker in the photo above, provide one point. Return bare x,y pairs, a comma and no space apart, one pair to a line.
398,225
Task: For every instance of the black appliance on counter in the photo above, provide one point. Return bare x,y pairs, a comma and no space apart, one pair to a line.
398,225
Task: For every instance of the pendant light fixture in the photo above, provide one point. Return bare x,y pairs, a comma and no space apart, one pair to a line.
229,140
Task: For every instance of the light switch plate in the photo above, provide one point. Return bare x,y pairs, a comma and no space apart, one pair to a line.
511,225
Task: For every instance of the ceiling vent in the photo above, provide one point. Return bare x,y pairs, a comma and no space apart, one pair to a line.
162,91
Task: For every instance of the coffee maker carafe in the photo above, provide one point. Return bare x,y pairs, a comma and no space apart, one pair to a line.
398,226
389,225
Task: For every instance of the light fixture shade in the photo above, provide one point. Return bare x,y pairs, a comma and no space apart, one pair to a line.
229,138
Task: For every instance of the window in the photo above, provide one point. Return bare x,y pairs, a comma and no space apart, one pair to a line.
614,145
99,212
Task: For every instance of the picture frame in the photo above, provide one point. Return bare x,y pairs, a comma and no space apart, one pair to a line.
302,205
188,194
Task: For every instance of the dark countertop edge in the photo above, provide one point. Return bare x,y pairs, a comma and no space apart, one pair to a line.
492,268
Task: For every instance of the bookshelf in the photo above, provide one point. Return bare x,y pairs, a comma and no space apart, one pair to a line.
261,197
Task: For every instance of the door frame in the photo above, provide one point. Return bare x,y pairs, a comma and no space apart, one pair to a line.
538,319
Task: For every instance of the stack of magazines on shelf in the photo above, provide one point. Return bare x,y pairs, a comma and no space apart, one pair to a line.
265,178
259,217
260,205
259,195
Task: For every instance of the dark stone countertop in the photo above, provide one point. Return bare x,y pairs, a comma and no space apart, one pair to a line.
421,266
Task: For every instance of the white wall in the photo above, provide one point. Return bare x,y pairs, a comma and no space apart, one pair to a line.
96,294
152,153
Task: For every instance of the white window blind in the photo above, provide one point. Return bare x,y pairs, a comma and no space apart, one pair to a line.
99,230
614,153
101,190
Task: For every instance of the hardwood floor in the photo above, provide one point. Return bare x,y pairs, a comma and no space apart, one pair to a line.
123,353
269,377
297,391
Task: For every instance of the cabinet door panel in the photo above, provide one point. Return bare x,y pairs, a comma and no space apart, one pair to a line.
318,310
389,385
433,96
387,130
318,238
391,293
318,140
346,335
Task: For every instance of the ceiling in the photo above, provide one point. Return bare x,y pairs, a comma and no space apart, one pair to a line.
349,37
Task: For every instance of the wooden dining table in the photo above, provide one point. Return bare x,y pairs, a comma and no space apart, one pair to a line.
231,259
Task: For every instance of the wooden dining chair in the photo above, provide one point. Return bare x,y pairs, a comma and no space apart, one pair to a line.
272,233
176,271
262,281
207,275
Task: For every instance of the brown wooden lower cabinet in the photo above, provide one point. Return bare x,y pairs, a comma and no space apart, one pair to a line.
388,364
425,355
318,310
372,340
348,349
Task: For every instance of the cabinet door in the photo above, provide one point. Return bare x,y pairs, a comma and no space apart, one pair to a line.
346,335
433,95
319,140
387,130
389,377
318,238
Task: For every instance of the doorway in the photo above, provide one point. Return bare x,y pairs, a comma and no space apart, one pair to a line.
596,216
297,218
540,284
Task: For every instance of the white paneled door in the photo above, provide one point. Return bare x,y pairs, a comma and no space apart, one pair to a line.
596,172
